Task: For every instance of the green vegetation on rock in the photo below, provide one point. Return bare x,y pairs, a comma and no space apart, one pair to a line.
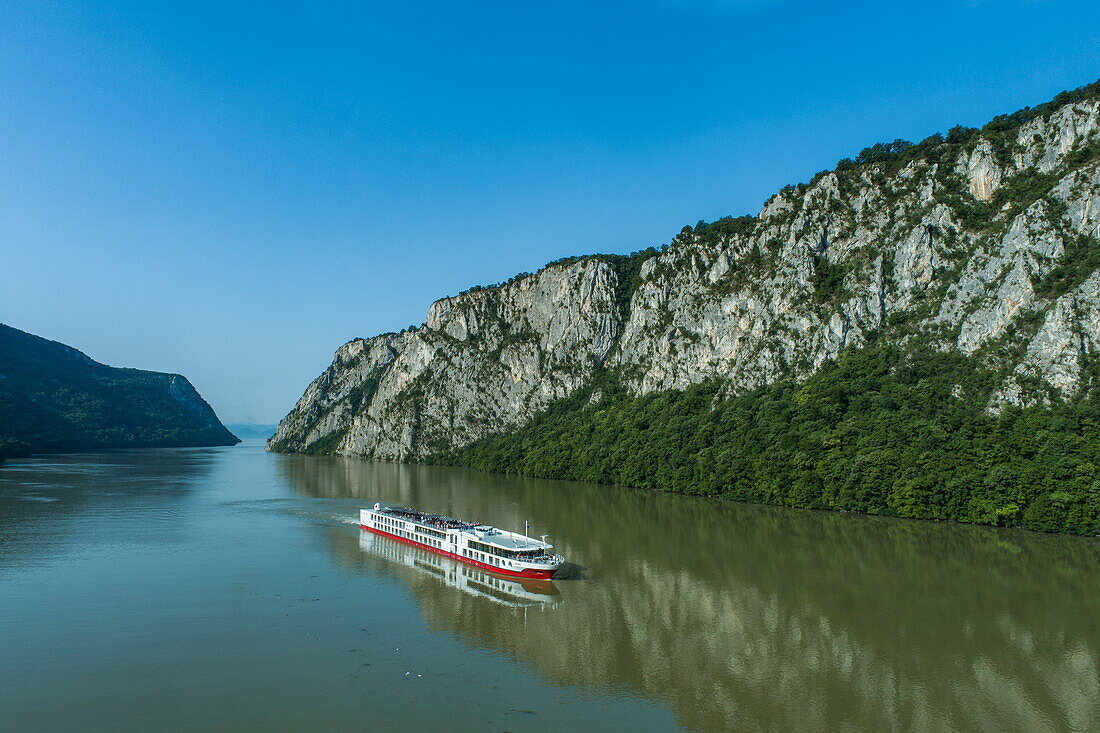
881,430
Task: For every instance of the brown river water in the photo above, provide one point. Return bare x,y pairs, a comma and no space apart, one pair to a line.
230,589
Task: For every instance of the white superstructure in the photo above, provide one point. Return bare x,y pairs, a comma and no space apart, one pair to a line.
486,547
513,592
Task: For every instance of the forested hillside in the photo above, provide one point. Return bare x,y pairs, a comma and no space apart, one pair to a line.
882,430
53,399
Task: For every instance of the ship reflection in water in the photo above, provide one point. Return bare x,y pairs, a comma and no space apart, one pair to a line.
738,617
514,593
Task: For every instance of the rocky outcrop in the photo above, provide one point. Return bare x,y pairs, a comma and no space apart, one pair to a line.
983,241
481,362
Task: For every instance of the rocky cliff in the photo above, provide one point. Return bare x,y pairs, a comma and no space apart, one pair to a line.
983,241
54,398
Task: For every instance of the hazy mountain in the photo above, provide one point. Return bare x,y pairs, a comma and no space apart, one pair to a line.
251,431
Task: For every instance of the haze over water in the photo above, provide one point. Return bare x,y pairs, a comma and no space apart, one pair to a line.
229,589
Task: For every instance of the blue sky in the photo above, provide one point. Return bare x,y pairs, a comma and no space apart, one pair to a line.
232,190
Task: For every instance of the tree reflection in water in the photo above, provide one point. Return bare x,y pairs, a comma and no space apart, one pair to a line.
758,618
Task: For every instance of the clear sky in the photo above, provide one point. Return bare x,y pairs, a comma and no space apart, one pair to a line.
232,190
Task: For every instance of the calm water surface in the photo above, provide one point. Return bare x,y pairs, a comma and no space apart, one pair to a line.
229,589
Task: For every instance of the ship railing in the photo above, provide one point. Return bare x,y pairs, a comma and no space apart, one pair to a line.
548,558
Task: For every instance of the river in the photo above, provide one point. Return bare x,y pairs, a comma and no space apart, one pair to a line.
230,589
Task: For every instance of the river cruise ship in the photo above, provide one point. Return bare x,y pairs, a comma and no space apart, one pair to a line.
517,593
489,548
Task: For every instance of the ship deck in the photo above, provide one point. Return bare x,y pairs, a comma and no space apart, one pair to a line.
479,532
436,521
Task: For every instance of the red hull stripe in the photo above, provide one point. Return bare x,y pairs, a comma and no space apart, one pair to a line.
526,573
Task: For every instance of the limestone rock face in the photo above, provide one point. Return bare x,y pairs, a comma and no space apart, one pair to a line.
981,172
981,241
482,362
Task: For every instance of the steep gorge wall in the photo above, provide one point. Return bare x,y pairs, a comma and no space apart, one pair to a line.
482,361
982,241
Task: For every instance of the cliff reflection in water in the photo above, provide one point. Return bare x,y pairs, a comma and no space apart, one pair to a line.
756,618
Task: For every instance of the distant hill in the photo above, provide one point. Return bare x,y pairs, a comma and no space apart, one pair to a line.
55,399
251,430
